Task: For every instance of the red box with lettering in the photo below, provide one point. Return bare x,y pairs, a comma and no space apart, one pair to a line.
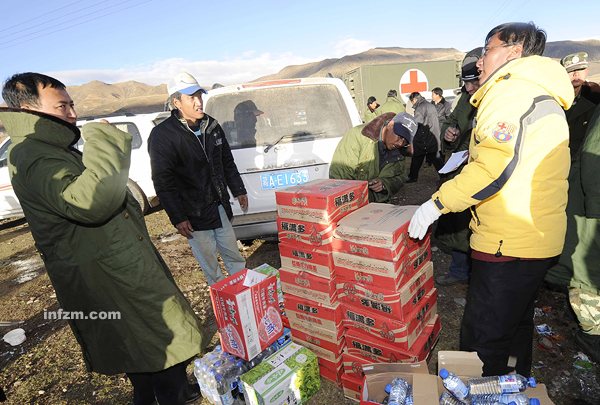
353,365
352,387
400,333
247,316
306,285
306,258
379,351
322,201
305,234
334,349
382,229
393,304
382,273
311,312
333,375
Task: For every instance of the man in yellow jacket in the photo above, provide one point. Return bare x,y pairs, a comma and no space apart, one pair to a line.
516,179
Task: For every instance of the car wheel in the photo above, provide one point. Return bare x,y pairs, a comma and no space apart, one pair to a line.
139,195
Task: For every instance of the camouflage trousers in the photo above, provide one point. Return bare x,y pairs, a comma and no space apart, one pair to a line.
587,308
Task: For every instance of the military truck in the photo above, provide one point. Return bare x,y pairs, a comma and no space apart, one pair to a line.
377,80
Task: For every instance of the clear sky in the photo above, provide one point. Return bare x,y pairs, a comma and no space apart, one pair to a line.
236,41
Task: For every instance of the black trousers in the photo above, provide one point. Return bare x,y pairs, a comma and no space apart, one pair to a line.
417,161
498,318
167,387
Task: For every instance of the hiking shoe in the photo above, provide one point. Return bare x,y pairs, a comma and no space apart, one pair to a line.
448,279
192,393
589,344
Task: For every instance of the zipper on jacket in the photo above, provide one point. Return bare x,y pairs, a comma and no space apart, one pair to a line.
498,252
474,212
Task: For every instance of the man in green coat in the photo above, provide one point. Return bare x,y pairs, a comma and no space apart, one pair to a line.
581,254
391,104
92,237
373,152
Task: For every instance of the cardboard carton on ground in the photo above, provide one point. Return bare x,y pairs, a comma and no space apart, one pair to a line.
322,201
380,351
306,258
306,285
322,348
399,304
382,273
352,387
331,335
246,308
322,316
272,271
468,364
332,371
378,375
353,365
401,333
291,375
305,234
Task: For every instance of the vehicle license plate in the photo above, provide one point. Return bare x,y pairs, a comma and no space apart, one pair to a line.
285,178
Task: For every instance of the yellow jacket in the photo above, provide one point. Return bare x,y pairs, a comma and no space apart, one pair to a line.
516,177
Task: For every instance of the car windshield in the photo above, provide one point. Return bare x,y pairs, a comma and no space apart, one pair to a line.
265,116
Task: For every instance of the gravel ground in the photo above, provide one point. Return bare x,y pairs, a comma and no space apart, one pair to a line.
48,368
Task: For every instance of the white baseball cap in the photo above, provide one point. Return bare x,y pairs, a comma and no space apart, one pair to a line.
184,83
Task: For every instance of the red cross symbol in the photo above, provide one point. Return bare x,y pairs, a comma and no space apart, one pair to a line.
409,82
502,125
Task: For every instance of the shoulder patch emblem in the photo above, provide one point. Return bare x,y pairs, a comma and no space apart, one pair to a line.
503,132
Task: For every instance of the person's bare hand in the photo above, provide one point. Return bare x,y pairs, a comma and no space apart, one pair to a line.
243,200
376,185
185,228
451,134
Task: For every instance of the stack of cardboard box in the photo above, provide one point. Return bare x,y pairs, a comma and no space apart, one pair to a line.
307,217
384,282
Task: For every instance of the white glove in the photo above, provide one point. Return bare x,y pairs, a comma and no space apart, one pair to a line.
425,215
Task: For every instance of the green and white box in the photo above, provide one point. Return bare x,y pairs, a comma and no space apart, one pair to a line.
287,377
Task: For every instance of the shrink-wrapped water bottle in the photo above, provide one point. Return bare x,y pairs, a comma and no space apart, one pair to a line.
454,384
448,399
398,391
503,384
223,391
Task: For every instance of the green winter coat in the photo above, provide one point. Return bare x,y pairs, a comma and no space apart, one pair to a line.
452,231
579,262
392,104
93,239
357,157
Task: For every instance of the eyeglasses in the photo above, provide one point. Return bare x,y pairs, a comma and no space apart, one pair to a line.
486,49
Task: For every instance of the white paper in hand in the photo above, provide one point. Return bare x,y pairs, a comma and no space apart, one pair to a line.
456,159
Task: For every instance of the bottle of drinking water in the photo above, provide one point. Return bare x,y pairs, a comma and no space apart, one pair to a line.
223,391
503,384
516,398
448,399
239,369
398,391
454,384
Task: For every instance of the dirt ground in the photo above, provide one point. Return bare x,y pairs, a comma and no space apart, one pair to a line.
48,368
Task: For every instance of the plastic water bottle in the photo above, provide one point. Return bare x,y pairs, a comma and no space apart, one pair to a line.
223,391
448,399
503,384
409,396
398,391
454,384
516,398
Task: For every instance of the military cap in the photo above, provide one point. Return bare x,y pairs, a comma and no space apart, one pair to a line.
575,61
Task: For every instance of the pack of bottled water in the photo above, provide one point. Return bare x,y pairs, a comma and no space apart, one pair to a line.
218,373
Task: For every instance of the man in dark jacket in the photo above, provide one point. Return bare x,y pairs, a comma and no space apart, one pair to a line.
424,148
442,106
452,231
192,167
92,237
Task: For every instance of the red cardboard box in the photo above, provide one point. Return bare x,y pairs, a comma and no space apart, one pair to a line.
247,316
353,365
306,258
308,286
305,234
380,226
311,312
393,304
382,273
334,347
380,351
331,375
320,352
400,333
352,387
321,201
314,329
